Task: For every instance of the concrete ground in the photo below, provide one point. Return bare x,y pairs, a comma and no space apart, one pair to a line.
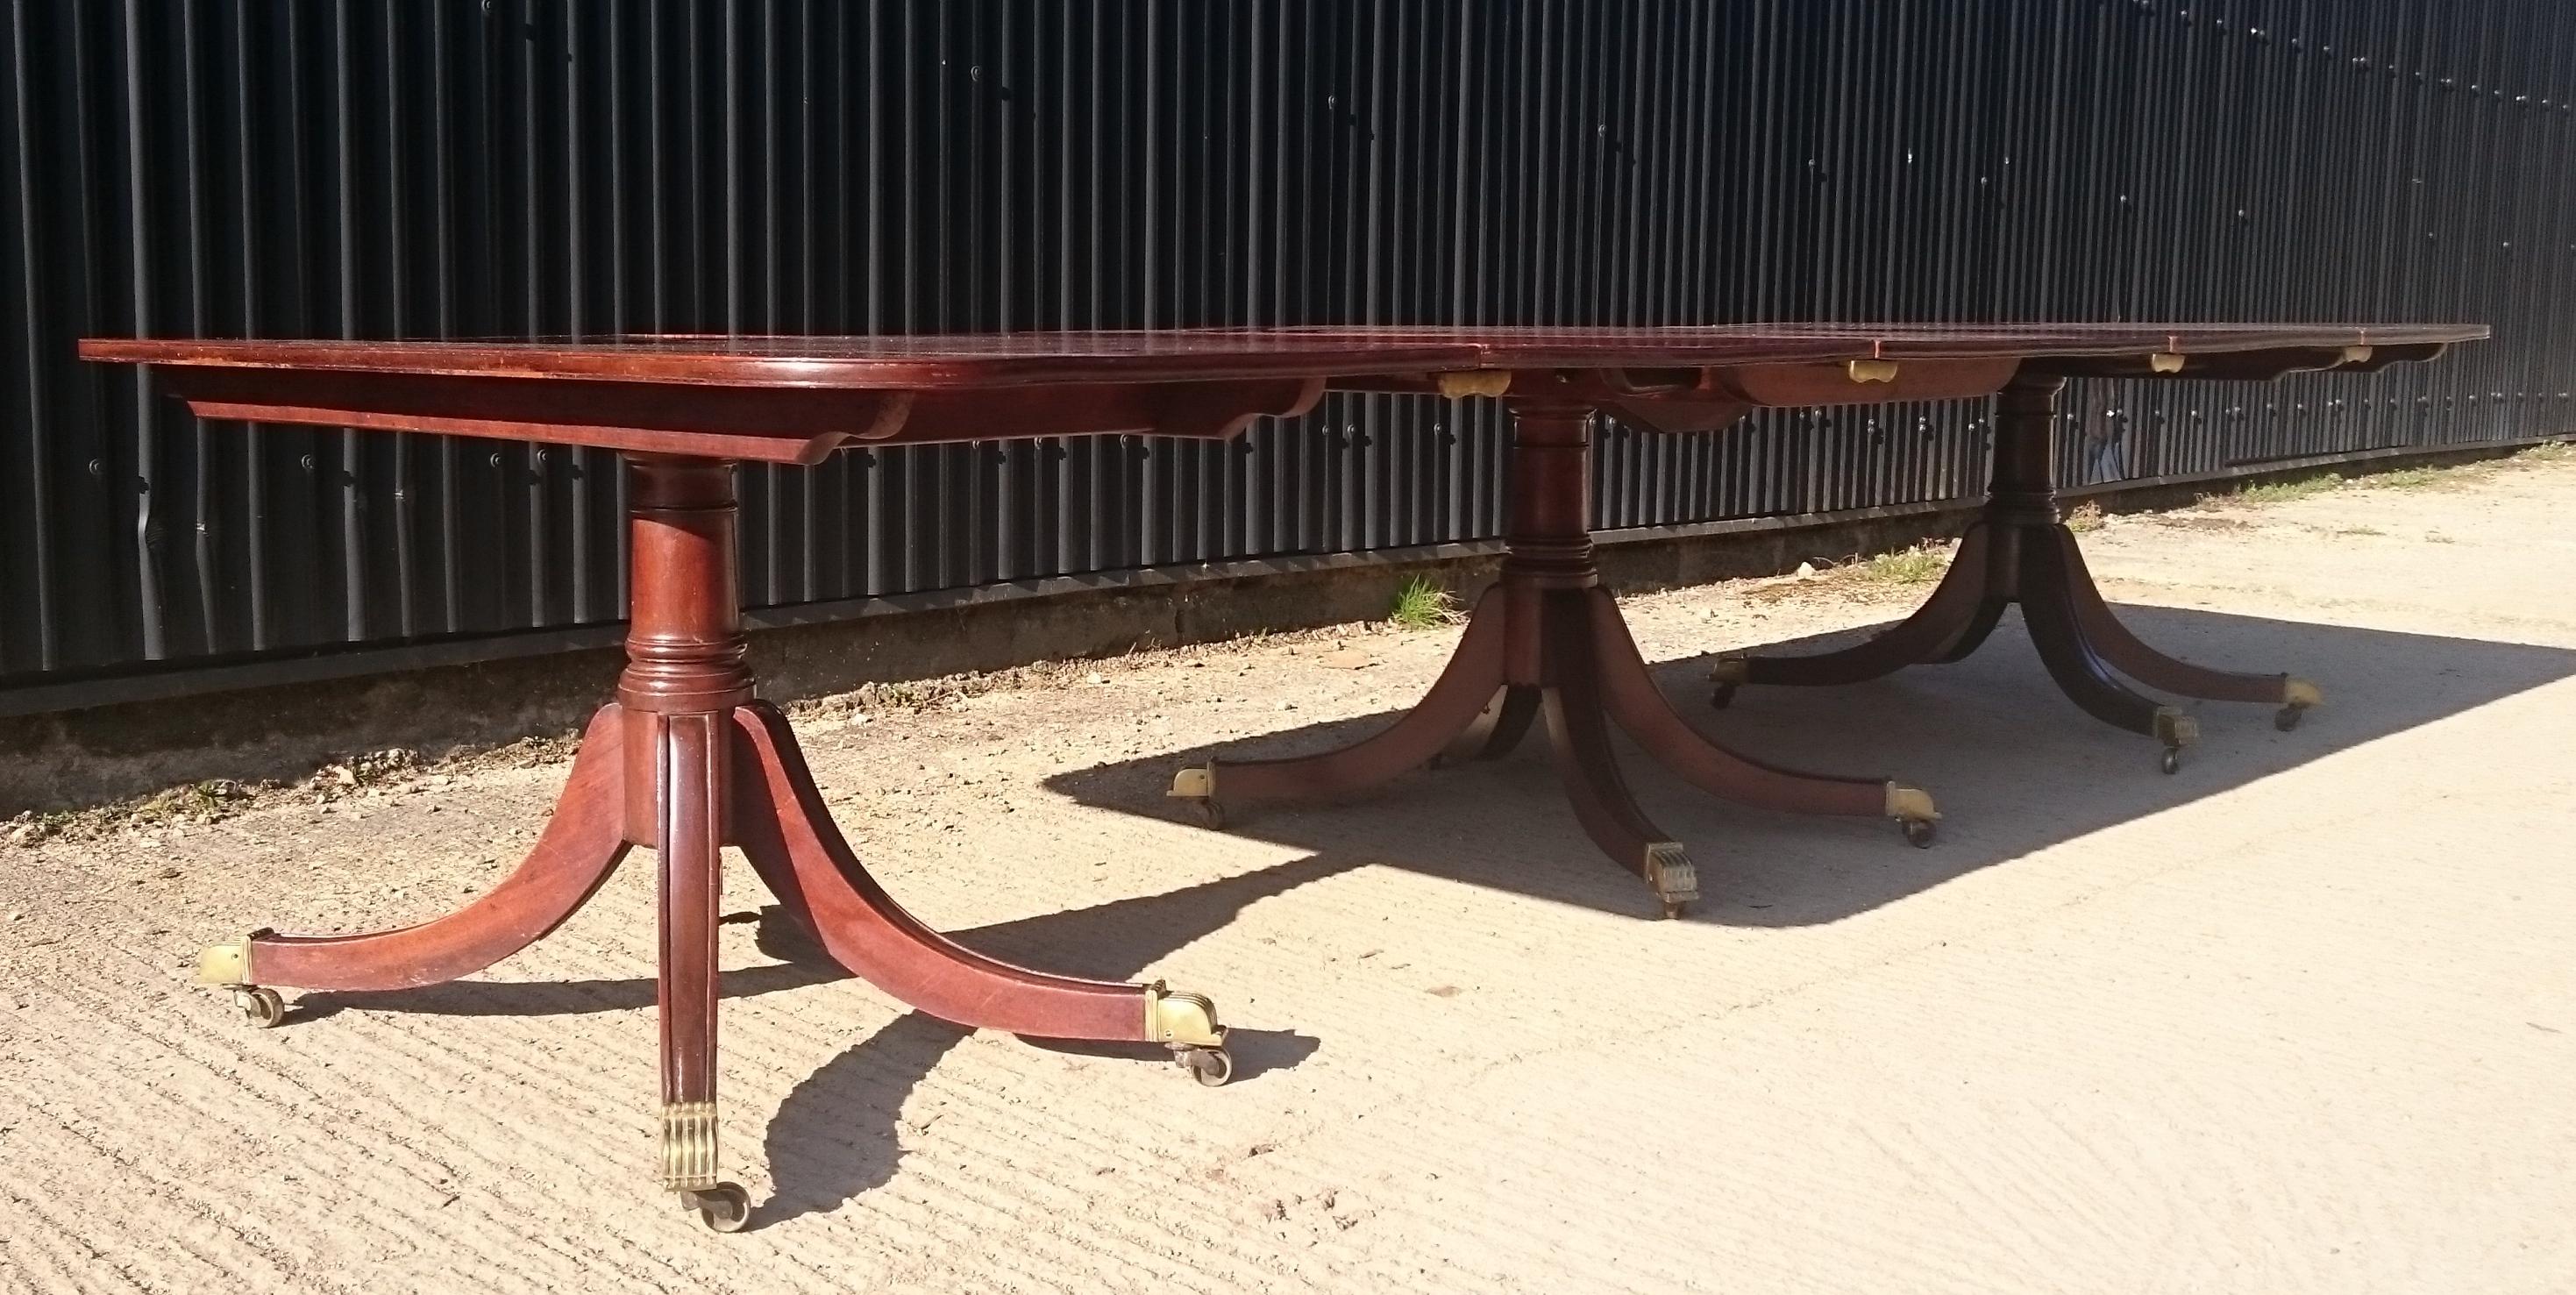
2301,1018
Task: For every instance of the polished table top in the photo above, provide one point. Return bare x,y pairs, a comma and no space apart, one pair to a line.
1001,359
798,399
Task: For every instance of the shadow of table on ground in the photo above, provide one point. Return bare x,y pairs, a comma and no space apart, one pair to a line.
2013,764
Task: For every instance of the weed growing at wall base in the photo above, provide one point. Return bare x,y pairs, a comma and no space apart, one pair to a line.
1422,604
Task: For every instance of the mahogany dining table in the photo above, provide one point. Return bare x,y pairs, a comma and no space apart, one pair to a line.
687,758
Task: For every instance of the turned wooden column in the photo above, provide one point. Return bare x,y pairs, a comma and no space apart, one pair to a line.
1547,539
2023,486
2021,489
684,646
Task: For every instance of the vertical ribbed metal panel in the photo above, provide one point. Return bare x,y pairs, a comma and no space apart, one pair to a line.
260,167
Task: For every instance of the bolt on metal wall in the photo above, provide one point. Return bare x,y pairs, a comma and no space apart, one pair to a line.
521,168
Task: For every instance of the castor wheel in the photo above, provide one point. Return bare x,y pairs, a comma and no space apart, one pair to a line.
2287,717
1197,785
1674,908
259,1005
1211,1067
725,1207
1721,696
1919,832
2171,760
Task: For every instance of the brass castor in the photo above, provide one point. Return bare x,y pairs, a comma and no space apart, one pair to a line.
259,1005
1915,816
1723,678
1210,1066
2297,695
2176,730
1198,787
725,1207
1186,1023
1668,869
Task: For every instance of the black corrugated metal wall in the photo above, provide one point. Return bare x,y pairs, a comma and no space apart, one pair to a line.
294,167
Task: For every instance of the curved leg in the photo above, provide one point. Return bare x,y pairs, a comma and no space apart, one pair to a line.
1496,729
2082,675
1951,616
1455,700
2131,656
1973,634
1628,689
1579,742
580,846
783,828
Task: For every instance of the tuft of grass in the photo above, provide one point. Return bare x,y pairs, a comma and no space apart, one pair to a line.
1919,565
2409,478
1422,604
2279,492
2553,452
2086,518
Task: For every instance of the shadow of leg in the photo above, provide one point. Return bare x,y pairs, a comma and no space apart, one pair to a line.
816,1158
834,1135
555,997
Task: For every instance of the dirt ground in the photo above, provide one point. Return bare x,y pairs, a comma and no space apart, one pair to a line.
2300,1018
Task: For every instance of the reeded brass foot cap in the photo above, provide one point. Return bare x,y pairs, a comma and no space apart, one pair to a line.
2300,693
1181,1020
689,1146
1912,804
225,964
1729,670
2175,729
1670,872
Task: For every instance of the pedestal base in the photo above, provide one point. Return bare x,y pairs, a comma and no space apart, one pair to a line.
2020,552
1548,642
686,763
778,822
1590,675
